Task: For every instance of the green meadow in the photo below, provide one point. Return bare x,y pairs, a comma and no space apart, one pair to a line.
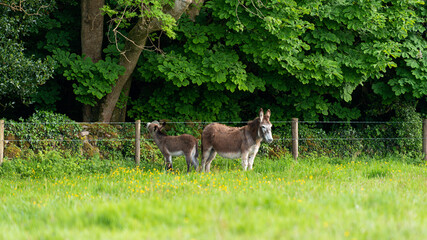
314,198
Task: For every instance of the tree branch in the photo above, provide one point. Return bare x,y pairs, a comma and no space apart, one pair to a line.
139,34
18,7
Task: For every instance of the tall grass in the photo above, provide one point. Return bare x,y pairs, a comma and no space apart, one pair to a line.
318,198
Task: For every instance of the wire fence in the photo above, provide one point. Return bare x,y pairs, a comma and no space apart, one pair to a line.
332,138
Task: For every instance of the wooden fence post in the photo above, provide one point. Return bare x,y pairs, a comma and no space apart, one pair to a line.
295,138
137,142
425,139
1,140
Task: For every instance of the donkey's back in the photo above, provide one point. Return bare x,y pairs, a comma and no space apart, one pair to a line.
179,145
223,139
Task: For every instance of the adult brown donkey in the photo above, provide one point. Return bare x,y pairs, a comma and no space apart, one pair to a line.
235,142
171,146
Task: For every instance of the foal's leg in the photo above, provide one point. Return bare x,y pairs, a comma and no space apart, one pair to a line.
188,159
195,162
168,162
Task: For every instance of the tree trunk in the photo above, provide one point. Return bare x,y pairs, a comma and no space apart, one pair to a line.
92,33
133,50
119,113
138,35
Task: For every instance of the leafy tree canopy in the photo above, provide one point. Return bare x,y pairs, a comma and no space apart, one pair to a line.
310,59
21,73
301,58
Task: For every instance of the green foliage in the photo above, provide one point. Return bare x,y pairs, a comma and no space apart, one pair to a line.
22,18
412,79
43,126
409,125
44,131
218,68
22,68
186,104
401,137
92,81
21,75
109,140
124,13
46,97
308,56
316,60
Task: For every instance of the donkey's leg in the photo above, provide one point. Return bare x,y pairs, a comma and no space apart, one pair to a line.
205,155
245,160
252,157
209,161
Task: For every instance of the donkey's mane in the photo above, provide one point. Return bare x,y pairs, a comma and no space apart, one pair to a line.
160,133
254,123
253,127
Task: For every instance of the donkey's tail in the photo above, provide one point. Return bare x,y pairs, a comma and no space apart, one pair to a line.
201,150
196,156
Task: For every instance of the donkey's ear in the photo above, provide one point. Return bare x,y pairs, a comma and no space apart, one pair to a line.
268,114
261,114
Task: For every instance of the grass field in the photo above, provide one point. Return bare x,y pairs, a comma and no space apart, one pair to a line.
280,199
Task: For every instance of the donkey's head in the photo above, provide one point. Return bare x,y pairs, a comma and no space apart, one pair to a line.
155,127
264,130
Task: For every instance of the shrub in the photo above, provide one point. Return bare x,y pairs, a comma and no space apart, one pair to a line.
44,130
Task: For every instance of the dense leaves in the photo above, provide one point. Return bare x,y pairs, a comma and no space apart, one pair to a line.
125,12
21,73
308,59
92,81
309,56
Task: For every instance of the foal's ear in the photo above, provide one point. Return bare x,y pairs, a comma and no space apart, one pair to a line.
261,114
162,125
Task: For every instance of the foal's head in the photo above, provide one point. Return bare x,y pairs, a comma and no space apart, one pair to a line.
265,125
155,127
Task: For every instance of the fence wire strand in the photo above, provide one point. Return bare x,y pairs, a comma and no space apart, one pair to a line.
346,139
109,134
144,130
222,122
